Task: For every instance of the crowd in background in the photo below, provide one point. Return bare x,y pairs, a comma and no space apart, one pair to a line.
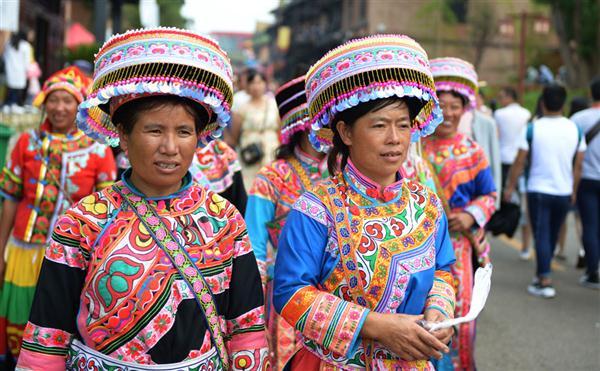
519,170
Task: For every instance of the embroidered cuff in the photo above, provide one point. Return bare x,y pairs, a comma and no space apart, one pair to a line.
442,296
328,320
477,214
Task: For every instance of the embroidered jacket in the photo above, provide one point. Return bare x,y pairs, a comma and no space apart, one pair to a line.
107,283
216,165
47,170
464,174
349,235
273,193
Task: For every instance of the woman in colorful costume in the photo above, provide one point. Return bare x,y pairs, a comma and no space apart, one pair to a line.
465,186
365,254
216,166
49,169
275,189
155,272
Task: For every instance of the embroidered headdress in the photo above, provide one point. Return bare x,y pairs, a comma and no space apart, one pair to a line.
70,79
362,70
293,110
158,61
457,75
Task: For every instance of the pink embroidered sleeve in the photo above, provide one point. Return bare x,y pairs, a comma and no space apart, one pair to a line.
330,321
482,208
442,296
11,176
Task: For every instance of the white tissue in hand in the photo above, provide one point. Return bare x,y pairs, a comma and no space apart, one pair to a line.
481,290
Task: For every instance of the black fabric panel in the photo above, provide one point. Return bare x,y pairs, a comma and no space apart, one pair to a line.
236,193
186,334
57,294
245,289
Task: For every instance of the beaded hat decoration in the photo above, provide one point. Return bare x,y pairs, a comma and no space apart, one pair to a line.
154,62
293,110
457,75
366,69
70,79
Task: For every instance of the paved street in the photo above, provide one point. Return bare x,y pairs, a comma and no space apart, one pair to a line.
517,331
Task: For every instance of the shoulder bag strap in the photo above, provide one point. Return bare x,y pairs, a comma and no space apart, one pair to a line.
181,260
593,132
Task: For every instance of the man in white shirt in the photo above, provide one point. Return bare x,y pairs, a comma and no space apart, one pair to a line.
588,195
551,144
510,121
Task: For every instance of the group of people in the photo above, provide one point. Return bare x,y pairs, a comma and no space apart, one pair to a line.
553,160
364,226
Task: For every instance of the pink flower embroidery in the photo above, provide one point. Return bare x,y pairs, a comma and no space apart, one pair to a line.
345,336
181,50
179,259
171,245
202,55
141,209
135,50
326,73
159,49
364,57
190,271
152,220
346,63
313,86
385,55
116,56
162,323
405,56
161,234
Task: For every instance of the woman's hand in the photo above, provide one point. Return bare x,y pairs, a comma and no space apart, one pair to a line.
402,335
445,334
459,222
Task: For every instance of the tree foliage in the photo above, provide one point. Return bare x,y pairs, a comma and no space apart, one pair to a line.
576,24
170,13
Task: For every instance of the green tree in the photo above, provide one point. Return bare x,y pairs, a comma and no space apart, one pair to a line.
576,24
170,13
482,26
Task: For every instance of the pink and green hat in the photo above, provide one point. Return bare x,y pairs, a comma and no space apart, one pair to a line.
153,62
366,69
457,75
70,79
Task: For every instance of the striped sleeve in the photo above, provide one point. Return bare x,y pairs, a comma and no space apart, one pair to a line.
11,176
52,322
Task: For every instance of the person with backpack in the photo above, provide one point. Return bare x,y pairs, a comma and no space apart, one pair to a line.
553,145
588,194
